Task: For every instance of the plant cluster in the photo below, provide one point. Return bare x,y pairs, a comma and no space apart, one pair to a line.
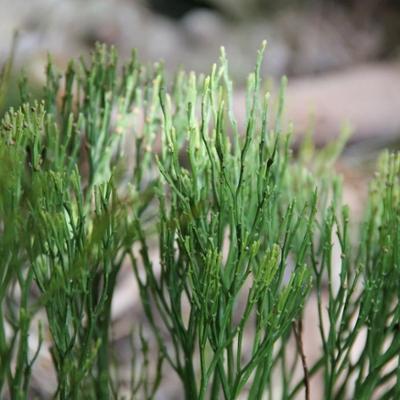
115,165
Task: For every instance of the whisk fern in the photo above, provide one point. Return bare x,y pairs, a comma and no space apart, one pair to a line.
227,234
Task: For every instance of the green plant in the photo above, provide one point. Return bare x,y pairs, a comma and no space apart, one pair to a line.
115,164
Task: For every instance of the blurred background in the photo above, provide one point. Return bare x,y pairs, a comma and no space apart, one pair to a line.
342,58
305,36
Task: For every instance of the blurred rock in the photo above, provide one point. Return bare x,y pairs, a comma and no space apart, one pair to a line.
300,41
325,40
366,96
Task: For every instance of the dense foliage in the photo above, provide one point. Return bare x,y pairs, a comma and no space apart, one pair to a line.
227,234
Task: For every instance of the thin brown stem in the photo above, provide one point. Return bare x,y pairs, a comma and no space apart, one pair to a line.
298,333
